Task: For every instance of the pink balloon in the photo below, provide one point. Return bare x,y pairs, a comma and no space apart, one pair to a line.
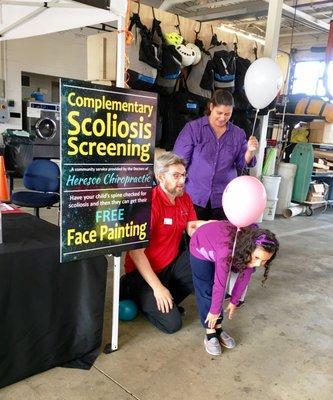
244,200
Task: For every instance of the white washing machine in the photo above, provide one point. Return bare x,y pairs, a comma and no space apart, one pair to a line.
43,119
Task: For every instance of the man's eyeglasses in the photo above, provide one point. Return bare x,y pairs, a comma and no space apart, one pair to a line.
177,175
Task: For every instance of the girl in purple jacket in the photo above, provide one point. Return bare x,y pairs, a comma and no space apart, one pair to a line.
211,255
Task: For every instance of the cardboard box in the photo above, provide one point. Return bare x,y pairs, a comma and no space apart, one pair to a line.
321,132
317,192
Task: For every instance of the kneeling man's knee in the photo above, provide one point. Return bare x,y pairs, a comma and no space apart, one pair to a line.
173,325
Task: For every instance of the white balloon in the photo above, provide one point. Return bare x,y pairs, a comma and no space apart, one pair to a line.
262,82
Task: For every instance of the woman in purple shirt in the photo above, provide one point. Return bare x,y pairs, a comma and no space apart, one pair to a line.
214,149
210,255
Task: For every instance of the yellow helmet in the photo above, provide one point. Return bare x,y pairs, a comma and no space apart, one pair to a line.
173,38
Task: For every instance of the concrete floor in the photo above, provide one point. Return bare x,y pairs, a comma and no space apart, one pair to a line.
283,334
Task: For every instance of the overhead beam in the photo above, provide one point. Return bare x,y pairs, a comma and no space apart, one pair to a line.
316,6
303,3
308,25
304,33
229,12
167,4
302,17
216,4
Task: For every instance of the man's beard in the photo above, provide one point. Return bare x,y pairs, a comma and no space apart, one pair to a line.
175,191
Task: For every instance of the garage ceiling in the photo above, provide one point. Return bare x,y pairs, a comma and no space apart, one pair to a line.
306,28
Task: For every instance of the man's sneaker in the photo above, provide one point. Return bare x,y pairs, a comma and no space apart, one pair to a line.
213,346
226,340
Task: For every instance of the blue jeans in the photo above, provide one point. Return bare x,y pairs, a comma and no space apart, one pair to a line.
203,280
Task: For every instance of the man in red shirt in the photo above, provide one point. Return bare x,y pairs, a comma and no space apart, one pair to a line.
159,277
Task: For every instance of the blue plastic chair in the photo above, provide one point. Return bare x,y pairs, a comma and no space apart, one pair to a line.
42,178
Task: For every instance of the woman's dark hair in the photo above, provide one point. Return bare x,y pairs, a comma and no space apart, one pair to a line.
220,97
247,240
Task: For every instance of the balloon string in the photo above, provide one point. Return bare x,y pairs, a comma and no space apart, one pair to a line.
234,246
253,128
254,123
232,259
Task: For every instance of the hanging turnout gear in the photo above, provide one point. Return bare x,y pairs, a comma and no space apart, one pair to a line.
240,98
149,52
200,80
143,56
178,109
224,67
171,64
156,34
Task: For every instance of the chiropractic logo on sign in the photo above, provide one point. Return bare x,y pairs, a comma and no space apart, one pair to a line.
108,137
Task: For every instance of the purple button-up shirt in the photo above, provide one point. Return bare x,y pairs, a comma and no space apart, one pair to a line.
211,162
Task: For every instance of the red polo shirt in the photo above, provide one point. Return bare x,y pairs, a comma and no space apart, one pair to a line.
168,222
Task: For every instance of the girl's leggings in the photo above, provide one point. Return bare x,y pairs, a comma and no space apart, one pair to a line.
203,280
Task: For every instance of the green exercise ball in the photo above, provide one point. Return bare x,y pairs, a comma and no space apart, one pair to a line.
128,310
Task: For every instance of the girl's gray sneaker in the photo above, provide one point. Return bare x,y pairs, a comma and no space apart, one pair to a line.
226,340
212,346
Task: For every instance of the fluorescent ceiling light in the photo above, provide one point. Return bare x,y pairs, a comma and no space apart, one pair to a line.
239,32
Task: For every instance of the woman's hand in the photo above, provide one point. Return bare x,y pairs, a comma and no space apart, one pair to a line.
163,298
230,309
252,144
211,320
